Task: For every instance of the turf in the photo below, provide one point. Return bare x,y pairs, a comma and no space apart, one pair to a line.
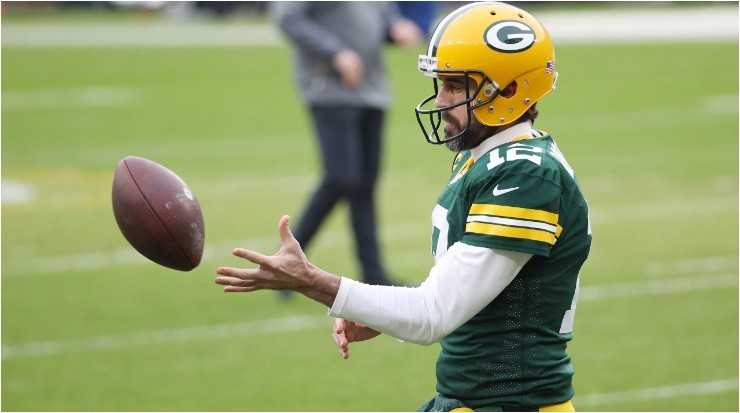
651,129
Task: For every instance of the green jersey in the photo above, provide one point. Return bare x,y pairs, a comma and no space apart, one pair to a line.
520,196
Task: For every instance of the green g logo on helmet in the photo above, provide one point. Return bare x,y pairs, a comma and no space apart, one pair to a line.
509,36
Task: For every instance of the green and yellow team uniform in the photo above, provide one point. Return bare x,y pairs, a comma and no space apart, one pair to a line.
520,196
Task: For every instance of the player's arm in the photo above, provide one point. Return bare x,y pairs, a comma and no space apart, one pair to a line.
464,280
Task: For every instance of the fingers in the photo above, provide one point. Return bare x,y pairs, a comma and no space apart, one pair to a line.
244,280
341,342
236,285
286,237
239,289
339,325
250,255
229,272
235,280
340,338
342,345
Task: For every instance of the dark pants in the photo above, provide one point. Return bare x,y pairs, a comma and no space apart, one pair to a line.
350,140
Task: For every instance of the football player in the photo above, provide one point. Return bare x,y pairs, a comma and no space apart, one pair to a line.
510,229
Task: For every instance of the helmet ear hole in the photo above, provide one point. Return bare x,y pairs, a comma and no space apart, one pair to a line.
509,90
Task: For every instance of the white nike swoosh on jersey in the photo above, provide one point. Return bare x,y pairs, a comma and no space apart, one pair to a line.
497,192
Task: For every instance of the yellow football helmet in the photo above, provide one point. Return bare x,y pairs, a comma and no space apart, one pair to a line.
494,44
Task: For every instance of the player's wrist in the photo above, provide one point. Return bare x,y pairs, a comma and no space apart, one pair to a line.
321,286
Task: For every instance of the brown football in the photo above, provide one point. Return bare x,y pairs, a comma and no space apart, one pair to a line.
158,213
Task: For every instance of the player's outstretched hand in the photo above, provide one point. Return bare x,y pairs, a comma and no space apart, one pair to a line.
287,269
346,332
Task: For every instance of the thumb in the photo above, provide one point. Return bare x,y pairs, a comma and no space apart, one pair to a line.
286,235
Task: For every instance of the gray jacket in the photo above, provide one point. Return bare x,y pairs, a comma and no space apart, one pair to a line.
318,30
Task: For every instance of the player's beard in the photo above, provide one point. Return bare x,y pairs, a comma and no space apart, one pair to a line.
473,136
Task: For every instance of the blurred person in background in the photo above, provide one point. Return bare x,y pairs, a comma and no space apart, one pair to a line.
510,230
339,70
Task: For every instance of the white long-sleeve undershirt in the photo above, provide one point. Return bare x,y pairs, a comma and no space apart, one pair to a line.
463,281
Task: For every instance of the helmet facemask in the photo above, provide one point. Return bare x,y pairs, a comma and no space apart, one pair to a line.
485,92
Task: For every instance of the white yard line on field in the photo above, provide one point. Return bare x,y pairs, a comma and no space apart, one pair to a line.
16,192
668,209
166,34
642,25
298,323
654,287
692,266
168,336
617,399
88,97
719,104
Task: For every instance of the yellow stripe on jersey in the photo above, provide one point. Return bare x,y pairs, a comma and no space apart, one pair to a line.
514,212
511,232
514,222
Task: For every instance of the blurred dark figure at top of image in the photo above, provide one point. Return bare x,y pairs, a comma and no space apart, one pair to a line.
423,13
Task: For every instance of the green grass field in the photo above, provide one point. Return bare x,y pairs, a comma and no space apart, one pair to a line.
88,325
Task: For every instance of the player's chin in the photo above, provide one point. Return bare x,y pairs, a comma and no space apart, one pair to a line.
454,144
450,131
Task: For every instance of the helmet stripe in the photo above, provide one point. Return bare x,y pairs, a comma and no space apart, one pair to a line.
432,49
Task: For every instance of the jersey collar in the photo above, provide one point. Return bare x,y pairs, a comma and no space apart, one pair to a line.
505,136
